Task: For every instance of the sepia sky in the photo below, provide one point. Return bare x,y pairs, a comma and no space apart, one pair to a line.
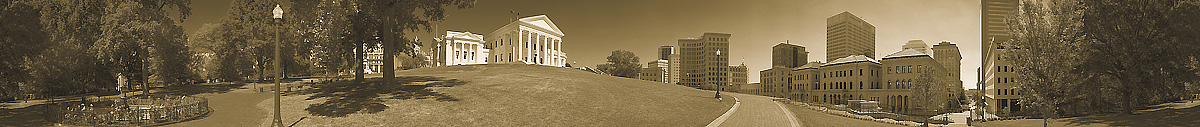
594,28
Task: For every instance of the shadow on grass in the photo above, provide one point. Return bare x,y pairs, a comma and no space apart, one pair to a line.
32,116
188,90
1189,117
348,97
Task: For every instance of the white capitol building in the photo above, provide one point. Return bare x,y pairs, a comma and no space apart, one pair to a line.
529,40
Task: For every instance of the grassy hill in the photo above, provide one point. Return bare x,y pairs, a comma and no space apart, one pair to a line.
502,95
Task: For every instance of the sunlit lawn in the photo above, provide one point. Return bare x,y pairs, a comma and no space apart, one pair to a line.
503,95
1183,113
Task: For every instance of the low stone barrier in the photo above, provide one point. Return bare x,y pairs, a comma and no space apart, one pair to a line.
851,113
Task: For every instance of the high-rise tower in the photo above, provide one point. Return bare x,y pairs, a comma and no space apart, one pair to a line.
847,35
664,52
994,29
704,61
668,53
997,73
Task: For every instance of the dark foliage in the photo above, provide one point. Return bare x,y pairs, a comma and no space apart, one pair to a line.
622,63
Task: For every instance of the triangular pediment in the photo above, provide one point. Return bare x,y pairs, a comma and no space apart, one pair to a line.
543,22
464,35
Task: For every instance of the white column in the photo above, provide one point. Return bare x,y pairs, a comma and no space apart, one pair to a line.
557,50
479,53
537,41
474,53
457,52
521,46
542,51
525,48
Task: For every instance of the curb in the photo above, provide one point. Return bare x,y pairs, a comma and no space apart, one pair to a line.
737,102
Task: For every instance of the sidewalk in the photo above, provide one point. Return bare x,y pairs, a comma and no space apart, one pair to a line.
758,111
24,104
956,119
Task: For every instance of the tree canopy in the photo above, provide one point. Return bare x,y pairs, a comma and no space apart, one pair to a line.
622,63
1077,57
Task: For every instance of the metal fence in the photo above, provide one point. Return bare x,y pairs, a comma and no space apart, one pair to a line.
145,111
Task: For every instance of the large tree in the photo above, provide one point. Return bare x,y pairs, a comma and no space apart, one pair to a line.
138,35
248,32
65,66
929,92
1047,72
622,63
395,18
92,42
1078,54
21,39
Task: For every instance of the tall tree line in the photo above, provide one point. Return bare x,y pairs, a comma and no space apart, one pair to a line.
69,47
326,37
1080,57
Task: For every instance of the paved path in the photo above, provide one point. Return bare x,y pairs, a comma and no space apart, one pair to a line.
758,111
235,108
959,119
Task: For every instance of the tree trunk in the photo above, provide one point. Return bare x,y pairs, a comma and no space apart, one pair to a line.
357,61
1126,96
262,72
1127,102
390,41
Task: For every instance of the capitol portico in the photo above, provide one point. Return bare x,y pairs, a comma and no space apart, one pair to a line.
530,40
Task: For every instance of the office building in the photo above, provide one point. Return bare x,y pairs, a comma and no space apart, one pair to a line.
788,55
901,70
704,61
668,53
848,35
664,52
752,88
946,53
997,75
656,71
917,44
773,80
737,78
886,82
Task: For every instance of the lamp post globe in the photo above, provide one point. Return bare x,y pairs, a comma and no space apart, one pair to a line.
278,12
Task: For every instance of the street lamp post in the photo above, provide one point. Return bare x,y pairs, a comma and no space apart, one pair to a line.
279,23
719,84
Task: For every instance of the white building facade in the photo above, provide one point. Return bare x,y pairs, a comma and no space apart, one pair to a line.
460,48
530,40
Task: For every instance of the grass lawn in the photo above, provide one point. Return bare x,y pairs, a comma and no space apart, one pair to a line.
1181,114
501,95
813,118
32,116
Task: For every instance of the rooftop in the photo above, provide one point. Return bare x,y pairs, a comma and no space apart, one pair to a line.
906,53
852,59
